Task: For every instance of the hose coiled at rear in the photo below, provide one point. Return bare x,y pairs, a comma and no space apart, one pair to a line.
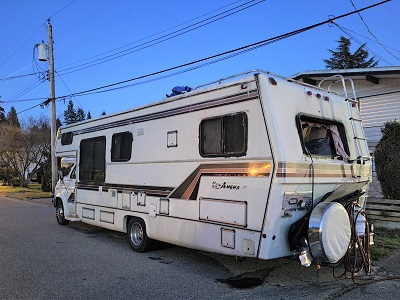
358,256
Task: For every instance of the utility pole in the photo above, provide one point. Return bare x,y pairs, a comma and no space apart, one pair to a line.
52,107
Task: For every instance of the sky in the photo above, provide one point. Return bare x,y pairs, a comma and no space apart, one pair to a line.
99,43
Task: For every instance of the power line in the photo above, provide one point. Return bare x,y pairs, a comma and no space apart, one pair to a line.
166,30
218,57
236,51
69,89
362,44
18,76
27,100
150,36
379,42
21,45
163,38
40,104
347,29
8,78
25,90
62,9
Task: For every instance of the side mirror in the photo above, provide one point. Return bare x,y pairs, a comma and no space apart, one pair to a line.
60,175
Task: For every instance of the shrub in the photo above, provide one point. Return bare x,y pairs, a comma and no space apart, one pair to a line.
16,182
24,183
387,160
46,181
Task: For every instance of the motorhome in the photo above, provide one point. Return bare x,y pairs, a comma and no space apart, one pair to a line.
254,165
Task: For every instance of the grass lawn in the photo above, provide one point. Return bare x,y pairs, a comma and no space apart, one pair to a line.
386,242
33,191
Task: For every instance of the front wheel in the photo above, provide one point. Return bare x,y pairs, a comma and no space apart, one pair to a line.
137,236
60,214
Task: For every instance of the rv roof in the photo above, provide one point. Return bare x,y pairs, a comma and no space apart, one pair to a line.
211,86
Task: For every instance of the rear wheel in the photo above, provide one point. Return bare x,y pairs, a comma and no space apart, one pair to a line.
60,214
137,236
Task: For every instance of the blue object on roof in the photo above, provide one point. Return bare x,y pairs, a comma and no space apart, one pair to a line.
179,90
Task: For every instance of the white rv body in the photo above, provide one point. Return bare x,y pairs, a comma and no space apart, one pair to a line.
223,169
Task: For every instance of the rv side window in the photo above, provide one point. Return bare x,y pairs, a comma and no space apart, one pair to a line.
66,138
92,160
121,148
224,136
323,138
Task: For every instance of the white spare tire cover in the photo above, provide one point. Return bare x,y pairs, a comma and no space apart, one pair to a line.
329,232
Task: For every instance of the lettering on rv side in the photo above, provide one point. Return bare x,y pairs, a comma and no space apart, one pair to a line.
218,186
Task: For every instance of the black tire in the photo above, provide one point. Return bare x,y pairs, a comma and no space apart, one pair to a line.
60,214
137,236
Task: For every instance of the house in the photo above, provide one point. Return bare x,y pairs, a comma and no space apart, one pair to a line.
378,93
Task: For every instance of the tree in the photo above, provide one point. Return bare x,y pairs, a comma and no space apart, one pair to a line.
12,117
58,123
342,58
24,148
2,115
387,160
70,113
80,115
89,116
103,113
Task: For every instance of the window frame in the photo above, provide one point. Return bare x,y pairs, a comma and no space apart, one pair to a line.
93,173
223,152
323,121
121,159
67,138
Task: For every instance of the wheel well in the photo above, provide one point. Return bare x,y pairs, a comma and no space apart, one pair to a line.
56,200
126,221
128,218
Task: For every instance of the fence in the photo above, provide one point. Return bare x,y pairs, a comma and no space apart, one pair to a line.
384,213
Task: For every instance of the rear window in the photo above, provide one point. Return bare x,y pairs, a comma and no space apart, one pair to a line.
323,138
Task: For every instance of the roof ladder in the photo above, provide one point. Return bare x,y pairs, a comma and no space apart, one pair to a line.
359,137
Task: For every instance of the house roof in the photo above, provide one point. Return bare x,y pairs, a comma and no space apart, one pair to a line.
369,74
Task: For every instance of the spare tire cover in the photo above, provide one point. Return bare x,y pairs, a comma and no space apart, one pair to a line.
329,232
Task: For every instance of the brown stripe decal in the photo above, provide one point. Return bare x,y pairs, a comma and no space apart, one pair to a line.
231,99
321,170
189,188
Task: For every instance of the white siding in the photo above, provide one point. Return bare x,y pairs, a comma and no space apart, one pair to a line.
380,103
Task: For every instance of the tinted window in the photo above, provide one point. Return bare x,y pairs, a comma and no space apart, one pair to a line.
92,160
121,147
224,136
66,138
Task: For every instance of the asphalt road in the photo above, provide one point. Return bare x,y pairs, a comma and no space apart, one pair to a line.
40,259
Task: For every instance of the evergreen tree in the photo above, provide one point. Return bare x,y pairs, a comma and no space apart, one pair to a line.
80,115
58,123
70,113
89,116
387,160
342,58
2,115
12,117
